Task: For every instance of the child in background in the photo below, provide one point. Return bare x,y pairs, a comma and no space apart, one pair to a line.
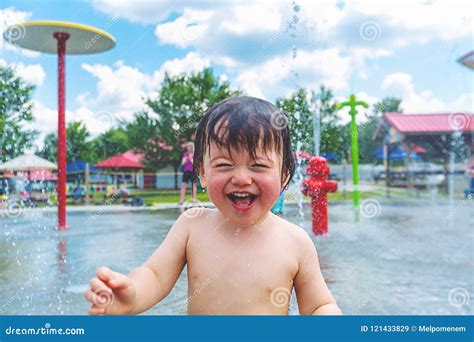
188,173
241,258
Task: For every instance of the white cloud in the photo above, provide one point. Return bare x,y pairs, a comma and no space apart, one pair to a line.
185,30
32,73
121,89
238,31
10,16
423,20
96,122
118,88
192,62
313,68
280,75
46,120
396,23
253,41
413,101
244,19
150,12
360,57
244,37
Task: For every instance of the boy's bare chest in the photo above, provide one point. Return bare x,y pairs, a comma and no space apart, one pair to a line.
239,273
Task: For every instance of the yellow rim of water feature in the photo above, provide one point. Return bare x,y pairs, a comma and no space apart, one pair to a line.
38,36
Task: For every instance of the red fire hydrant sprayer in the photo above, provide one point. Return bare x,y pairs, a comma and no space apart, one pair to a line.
317,187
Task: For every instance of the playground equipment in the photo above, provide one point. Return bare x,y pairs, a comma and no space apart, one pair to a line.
317,188
352,103
51,37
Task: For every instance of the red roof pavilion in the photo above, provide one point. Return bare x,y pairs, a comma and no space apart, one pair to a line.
431,123
126,160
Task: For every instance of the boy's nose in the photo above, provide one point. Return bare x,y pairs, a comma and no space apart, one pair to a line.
241,176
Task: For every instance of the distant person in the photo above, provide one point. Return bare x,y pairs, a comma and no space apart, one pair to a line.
79,193
241,259
188,173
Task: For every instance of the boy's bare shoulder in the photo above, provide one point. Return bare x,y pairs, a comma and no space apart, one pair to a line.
193,216
298,235
189,218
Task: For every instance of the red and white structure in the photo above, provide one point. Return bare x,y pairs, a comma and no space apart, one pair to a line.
60,38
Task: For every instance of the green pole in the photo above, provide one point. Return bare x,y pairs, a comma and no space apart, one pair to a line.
355,157
352,103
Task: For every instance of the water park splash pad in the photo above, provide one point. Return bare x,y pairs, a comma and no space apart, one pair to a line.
403,257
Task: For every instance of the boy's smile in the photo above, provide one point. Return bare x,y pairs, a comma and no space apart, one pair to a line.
244,190
242,201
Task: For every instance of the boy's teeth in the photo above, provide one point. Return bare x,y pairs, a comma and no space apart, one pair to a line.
241,194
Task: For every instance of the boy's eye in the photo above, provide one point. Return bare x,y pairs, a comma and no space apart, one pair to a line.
260,165
222,165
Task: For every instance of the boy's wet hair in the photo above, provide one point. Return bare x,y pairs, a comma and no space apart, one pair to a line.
246,123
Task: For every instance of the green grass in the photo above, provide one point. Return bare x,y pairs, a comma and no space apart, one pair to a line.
151,197
339,196
173,198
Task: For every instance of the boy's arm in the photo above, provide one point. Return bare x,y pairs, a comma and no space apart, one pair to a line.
312,293
156,278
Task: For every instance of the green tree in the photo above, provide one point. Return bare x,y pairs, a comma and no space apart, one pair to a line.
15,114
111,142
300,109
50,149
366,131
174,116
144,136
332,132
387,105
79,145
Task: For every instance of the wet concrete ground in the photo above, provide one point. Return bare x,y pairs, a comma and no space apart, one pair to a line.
401,257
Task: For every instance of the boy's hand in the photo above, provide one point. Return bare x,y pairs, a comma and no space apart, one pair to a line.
111,293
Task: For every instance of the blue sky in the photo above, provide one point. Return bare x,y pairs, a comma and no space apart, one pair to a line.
375,49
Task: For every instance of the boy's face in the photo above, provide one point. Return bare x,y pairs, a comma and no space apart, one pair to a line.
224,176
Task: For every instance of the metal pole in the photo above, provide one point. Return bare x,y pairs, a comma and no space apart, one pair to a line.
61,37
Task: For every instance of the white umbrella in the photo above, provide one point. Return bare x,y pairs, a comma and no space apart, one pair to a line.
27,162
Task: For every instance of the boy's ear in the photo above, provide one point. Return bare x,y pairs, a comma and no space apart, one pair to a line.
202,178
286,180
